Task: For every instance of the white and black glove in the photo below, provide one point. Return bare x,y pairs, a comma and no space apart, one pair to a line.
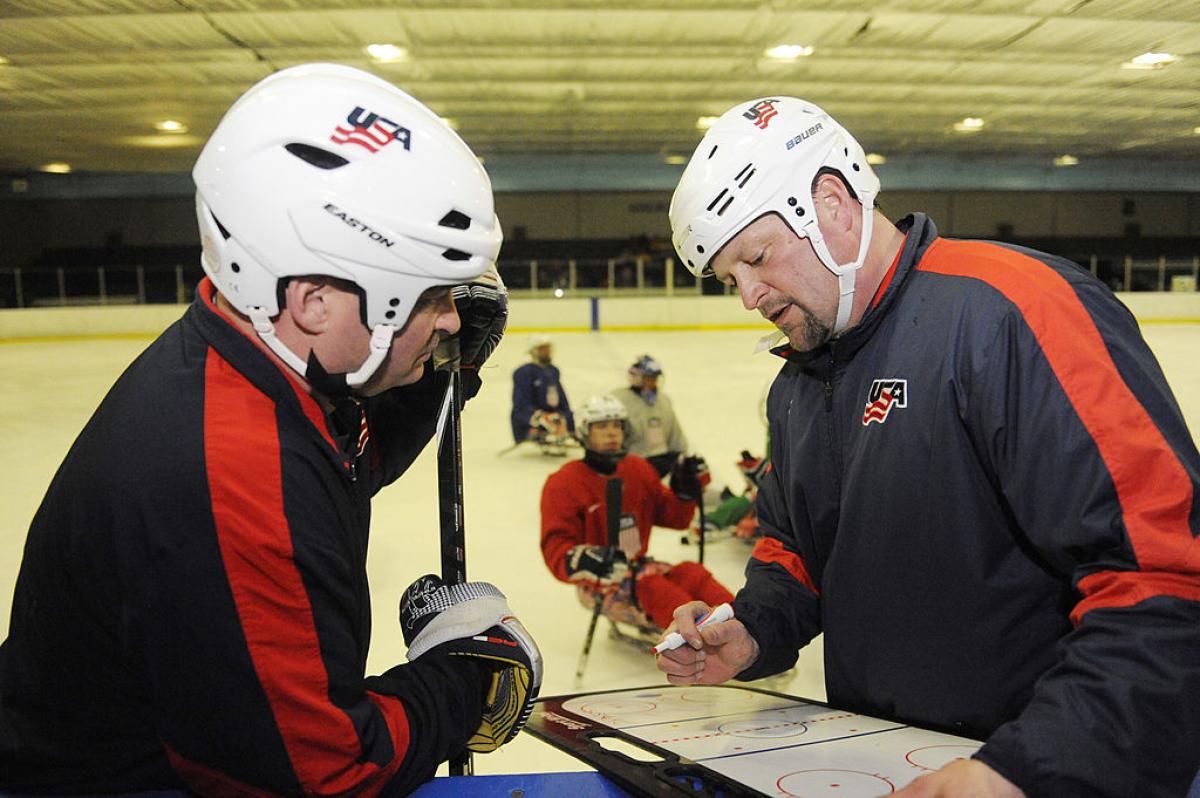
688,478
482,306
605,565
473,620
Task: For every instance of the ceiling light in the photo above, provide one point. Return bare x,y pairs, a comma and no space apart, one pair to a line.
386,53
1196,130
875,158
1066,160
170,126
705,122
676,160
55,168
1150,60
788,52
163,141
970,124
4,61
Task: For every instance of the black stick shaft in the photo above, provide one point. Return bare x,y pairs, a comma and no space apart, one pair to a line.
613,494
700,506
450,508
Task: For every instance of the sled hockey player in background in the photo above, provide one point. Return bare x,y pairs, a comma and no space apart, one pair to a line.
983,494
540,409
654,432
192,610
575,540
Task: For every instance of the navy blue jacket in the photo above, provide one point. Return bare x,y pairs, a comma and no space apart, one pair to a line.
532,385
192,607
984,495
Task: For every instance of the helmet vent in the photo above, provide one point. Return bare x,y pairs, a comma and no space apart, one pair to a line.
322,159
717,199
456,254
738,176
713,151
746,179
456,219
721,210
221,227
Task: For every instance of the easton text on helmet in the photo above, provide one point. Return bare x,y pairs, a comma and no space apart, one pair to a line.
374,235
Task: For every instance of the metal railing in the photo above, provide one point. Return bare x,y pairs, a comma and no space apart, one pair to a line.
544,277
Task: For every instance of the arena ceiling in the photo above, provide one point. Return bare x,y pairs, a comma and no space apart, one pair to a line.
85,82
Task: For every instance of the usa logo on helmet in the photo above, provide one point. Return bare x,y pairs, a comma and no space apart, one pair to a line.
370,130
883,396
761,113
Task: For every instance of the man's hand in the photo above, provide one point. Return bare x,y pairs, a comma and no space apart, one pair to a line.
962,778
713,655
604,565
689,476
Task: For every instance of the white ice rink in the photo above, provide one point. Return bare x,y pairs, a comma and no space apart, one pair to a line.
50,388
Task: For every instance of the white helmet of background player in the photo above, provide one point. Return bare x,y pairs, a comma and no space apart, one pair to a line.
323,169
601,408
762,157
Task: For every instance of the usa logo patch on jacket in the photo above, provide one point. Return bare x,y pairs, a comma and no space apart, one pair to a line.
883,396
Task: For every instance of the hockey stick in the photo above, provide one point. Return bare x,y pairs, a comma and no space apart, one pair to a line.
700,506
612,504
450,505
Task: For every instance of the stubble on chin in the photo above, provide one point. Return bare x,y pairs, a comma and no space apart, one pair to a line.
810,333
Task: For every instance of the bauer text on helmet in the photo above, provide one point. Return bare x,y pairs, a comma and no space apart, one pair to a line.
322,169
762,157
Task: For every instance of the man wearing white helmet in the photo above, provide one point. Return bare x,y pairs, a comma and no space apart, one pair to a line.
575,543
540,408
192,609
983,492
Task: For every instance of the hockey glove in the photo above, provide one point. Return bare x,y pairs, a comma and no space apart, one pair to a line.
483,310
688,478
473,620
605,565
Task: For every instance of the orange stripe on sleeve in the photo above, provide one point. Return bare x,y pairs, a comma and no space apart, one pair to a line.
771,550
246,486
1154,490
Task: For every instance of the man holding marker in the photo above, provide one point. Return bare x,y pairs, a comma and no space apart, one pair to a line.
984,494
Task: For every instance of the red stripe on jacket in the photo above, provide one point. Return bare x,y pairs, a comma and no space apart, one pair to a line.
770,550
246,486
1152,486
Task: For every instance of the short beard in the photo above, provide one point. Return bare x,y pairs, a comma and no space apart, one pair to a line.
812,332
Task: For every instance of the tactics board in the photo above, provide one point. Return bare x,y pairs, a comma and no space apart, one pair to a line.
740,741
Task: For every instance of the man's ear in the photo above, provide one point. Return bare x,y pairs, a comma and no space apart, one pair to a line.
832,201
304,303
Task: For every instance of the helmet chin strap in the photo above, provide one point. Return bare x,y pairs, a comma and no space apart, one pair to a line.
846,273
313,371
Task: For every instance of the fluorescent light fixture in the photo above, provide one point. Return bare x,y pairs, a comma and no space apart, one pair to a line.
4,61
875,158
1066,160
675,160
163,141
705,122
170,126
969,124
55,168
387,53
1150,60
788,52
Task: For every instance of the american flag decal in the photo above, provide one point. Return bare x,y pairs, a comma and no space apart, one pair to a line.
370,131
761,113
884,395
373,138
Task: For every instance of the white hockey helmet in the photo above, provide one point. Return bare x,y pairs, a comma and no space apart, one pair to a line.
762,157
323,169
537,341
602,407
